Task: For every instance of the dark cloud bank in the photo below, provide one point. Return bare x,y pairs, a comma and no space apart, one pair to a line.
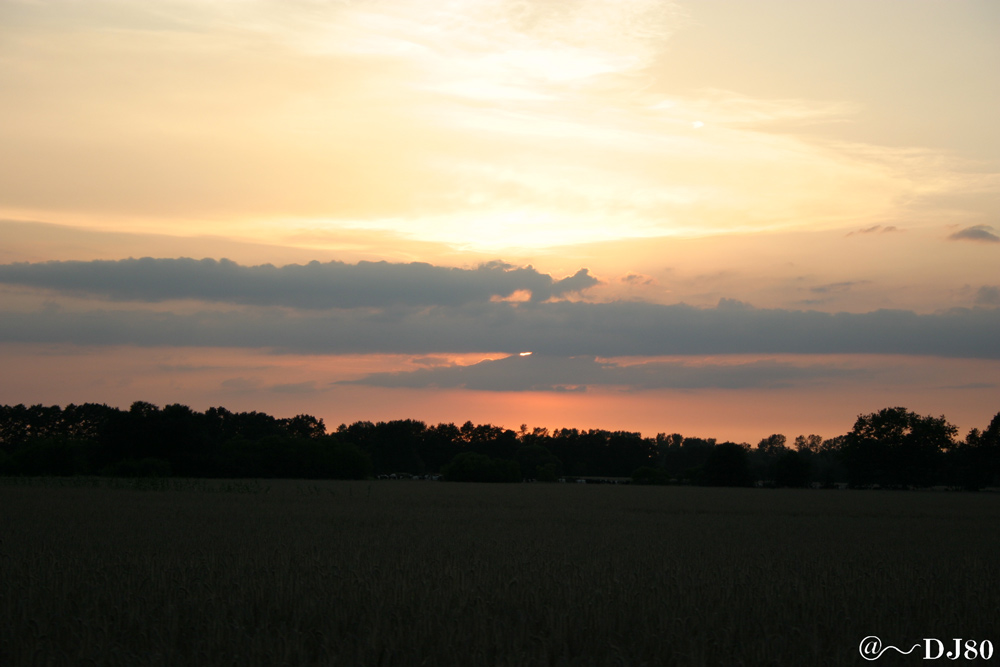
571,374
422,309
312,286
557,328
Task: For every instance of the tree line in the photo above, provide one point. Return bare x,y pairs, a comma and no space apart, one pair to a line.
892,448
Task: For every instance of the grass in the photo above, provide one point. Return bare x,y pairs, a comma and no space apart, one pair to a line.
423,573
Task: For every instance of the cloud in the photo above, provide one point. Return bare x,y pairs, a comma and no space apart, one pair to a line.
557,328
190,368
311,286
876,229
988,295
982,233
239,384
295,388
638,279
973,385
560,374
836,287
733,305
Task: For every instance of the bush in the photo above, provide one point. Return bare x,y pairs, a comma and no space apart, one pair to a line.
791,469
727,465
548,472
532,458
347,461
647,475
50,456
148,467
472,467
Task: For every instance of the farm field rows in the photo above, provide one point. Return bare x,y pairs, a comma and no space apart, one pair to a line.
424,573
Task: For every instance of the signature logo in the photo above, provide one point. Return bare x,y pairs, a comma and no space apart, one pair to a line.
871,648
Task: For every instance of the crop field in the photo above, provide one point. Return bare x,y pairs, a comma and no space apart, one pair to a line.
96,572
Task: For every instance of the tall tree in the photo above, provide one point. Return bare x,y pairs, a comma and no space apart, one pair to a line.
896,447
727,465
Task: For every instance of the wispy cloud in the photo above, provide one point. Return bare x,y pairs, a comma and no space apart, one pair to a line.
879,229
295,388
973,385
843,286
638,279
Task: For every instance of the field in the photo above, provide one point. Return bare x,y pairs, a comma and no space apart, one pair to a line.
425,573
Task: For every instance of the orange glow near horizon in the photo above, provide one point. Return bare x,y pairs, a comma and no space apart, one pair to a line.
286,385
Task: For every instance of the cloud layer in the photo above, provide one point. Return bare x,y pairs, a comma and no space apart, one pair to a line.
571,374
555,328
378,307
313,286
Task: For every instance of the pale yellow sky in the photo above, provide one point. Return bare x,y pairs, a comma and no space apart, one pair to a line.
488,126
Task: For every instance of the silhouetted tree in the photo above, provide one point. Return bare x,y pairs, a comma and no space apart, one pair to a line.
392,445
811,443
439,445
304,426
764,457
680,457
493,441
531,458
791,468
772,445
975,463
896,447
727,465
891,447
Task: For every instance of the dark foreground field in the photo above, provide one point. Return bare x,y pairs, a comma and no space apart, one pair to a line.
423,573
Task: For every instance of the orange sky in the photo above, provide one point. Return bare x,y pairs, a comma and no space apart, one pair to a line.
757,162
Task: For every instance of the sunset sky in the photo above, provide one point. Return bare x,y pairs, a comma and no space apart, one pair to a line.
724,218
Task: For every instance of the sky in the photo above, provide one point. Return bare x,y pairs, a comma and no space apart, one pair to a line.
720,218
